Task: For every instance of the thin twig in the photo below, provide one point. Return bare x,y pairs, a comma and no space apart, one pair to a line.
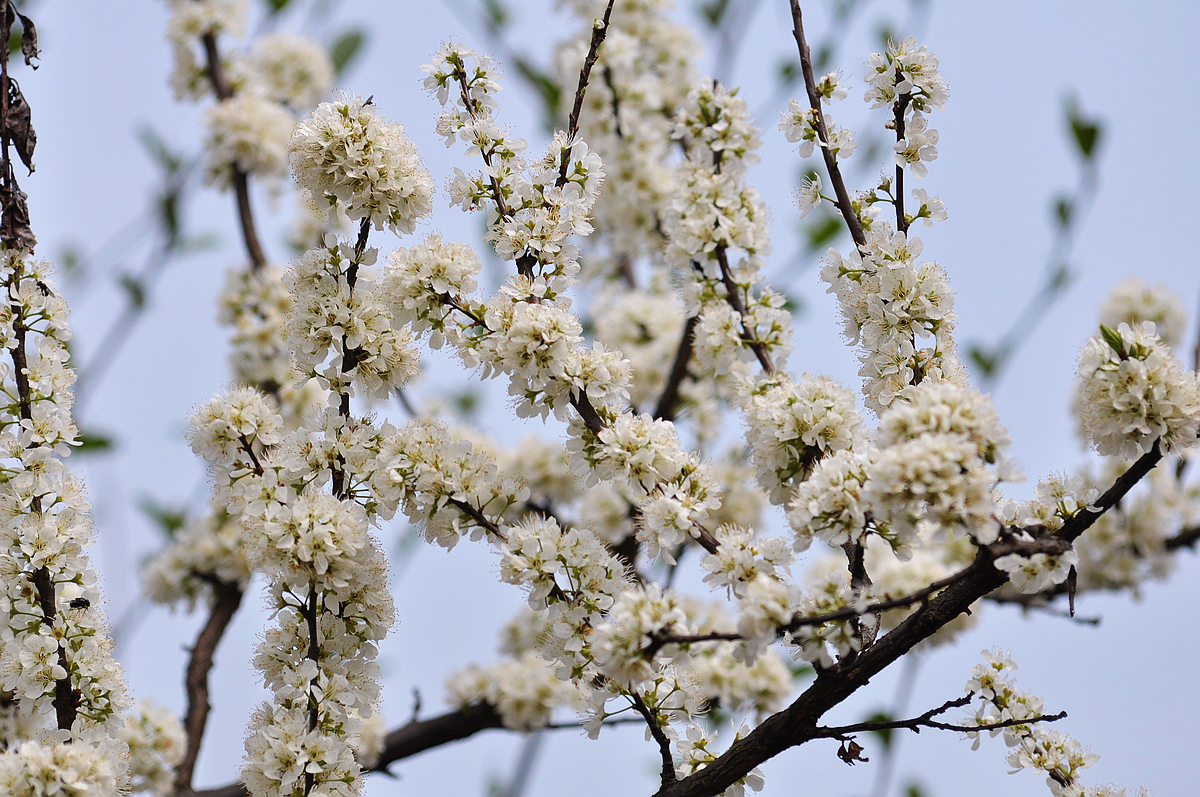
926,721
598,33
733,296
814,101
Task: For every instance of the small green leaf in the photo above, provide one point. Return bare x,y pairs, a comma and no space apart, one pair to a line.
986,361
1114,340
789,72
822,231
1063,210
134,289
168,519
495,14
885,734
547,88
275,6
1061,278
914,790
159,151
885,34
344,48
93,443
713,12
1086,131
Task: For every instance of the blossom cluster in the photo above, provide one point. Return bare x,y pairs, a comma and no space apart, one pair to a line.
1133,393
66,691
534,207
1034,746
890,306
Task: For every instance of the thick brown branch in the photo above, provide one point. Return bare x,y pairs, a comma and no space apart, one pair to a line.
1083,520
226,600
656,732
814,101
798,722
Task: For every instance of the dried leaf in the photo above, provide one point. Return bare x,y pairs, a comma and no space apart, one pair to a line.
29,42
15,231
851,752
17,125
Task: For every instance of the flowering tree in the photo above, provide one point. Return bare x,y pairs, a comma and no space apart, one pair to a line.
680,425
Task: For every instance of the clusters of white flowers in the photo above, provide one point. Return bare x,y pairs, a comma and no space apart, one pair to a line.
534,207
644,325
340,309
890,304
524,691
830,505
799,124
37,769
156,743
1033,746
250,133
292,70
791,426
56,662
694,755
717,234
1132,301
1133,392
646,63
742,557
906,68
328,584
248,127
353,162
255,305
444,486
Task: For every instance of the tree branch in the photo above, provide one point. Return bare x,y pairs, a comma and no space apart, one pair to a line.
814,101
598,33
664,744
227,597
665,410
926,721
241,186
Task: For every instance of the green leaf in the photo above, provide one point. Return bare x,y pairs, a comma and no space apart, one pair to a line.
822,231
168,519
547,87
789,72
93,443
495,14
713,12
987,361
275,6
1061,278
884,734
1063,210
1086,131
914,790
885,34
159,151
1114,340
134,289
344,48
